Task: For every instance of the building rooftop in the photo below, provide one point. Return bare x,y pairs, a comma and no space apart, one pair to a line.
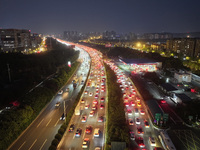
168,87
154,107
184,98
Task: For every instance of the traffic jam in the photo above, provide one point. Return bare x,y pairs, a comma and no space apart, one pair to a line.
135,112
88,121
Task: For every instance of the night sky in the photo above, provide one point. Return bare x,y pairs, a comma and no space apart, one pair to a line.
123,16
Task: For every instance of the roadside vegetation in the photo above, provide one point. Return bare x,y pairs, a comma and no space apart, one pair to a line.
26,71
117,128
15,120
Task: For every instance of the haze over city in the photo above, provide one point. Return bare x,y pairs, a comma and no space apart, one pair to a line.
85,16
99,75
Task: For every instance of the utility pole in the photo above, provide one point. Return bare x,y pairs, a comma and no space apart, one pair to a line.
64,111
9,73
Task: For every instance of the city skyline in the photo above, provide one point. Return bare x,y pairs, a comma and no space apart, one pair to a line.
49,17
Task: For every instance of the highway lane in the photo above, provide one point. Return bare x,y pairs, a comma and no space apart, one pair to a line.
41,132
70,141
131,100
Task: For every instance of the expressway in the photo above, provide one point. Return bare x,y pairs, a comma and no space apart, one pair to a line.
93,99
41,132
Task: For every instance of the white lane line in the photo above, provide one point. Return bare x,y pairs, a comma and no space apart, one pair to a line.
74,136
21,145
48,122
43,144
56,123
40,122
32,144
83,135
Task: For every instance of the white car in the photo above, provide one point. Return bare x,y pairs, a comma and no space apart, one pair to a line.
60,92
152,141
84,119
137,121
57,104
90,94
96,132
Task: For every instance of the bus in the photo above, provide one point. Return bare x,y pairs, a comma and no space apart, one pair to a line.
166,141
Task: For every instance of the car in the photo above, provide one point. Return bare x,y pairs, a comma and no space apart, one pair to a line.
142,112
57,104
152,141
137,121
90,94
88,130
101,106
95,102
127,88
87,106
84,119
136,111
139,104
132,103
97,89
102,90
67,90
85,143
78,132
71,128
140,142
140,131
102,99
146,124
94,107
86,92
131,122
132,135
96,96
126,98
129,112
88,85
97,92
137,98
60,92
100,119
97,148
62,117
91,113
126,104
82,82
82,101
96,132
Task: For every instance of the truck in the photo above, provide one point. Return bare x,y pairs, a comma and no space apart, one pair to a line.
78,110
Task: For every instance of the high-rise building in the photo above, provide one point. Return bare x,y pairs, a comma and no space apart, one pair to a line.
185,46
15,39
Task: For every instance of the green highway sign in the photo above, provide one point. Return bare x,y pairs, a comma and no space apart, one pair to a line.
158,116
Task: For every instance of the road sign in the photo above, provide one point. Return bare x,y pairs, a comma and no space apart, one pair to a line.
165,117
158,116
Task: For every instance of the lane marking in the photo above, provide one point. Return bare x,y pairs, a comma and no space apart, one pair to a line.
83,135
57,122
40,123
32,144
43,144
48,122
21,145
74,136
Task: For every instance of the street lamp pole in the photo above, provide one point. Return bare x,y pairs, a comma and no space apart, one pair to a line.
64,111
